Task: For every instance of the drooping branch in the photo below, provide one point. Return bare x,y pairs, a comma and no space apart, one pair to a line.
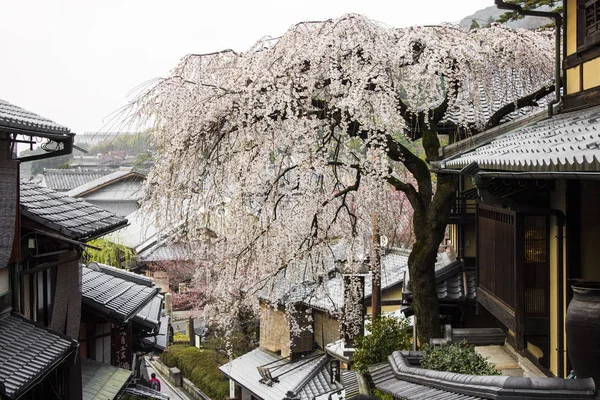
527,101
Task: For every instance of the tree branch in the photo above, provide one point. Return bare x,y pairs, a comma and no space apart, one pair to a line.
416,166
529,100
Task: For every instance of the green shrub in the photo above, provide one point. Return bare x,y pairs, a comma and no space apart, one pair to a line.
387,335
456,357
180,337
201,366
378,394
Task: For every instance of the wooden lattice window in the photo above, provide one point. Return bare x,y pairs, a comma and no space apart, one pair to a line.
496,252
588,23
535,267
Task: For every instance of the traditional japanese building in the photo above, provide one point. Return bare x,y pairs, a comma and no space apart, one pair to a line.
38,358
526,215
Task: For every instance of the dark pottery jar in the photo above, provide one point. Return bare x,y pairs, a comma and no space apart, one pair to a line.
583,330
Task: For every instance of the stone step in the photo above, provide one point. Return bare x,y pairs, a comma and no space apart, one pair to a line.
498,356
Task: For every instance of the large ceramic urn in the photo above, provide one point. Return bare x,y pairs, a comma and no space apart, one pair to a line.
583,330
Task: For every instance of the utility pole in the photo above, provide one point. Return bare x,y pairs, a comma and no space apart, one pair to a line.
375,269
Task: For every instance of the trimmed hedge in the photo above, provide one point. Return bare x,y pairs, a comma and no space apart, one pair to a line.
201,366
456,357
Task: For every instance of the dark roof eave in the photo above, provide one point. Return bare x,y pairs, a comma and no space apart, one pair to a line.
117,316
87,236
45,132
72,348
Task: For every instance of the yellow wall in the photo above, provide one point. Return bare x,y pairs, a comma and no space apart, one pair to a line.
591,73
274,330
327,329
395,294
591,69
470,236
571,9
453,236
573,81
557,201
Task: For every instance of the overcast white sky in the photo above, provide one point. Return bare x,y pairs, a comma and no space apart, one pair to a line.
75,61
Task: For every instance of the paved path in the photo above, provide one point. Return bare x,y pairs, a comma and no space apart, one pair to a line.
166,386
508,362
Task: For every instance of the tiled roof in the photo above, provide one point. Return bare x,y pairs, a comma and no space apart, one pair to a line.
102,381
165,251
403,380
116,298
145,392
73,218
450,283
115,176
67,179
15,117
307,377
393,267
499,99
150,315
122,208
329,296
567,142
159,342
122,273
28,352
350,382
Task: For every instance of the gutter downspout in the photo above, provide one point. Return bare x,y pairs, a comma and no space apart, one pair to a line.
558,20
560,222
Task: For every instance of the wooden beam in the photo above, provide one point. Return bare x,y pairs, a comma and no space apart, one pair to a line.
497,308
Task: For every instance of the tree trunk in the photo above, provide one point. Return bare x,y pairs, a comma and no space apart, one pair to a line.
430,228
376,270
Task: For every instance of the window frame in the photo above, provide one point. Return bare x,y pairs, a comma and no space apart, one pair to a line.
587,40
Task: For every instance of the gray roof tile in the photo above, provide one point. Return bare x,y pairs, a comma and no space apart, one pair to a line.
304,378
159,342
350,382
73,218
165,251
67,179
450,284
115,176
121,208
15,117
402,380
145,393
568,142
112,177
117,298
28,351
150,315
102,381
329,296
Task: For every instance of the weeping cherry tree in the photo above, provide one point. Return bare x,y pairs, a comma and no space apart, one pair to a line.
291,146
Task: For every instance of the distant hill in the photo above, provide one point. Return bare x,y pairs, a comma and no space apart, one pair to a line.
491,14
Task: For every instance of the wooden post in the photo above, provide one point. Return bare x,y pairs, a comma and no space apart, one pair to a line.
191,332
519,284
375,269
